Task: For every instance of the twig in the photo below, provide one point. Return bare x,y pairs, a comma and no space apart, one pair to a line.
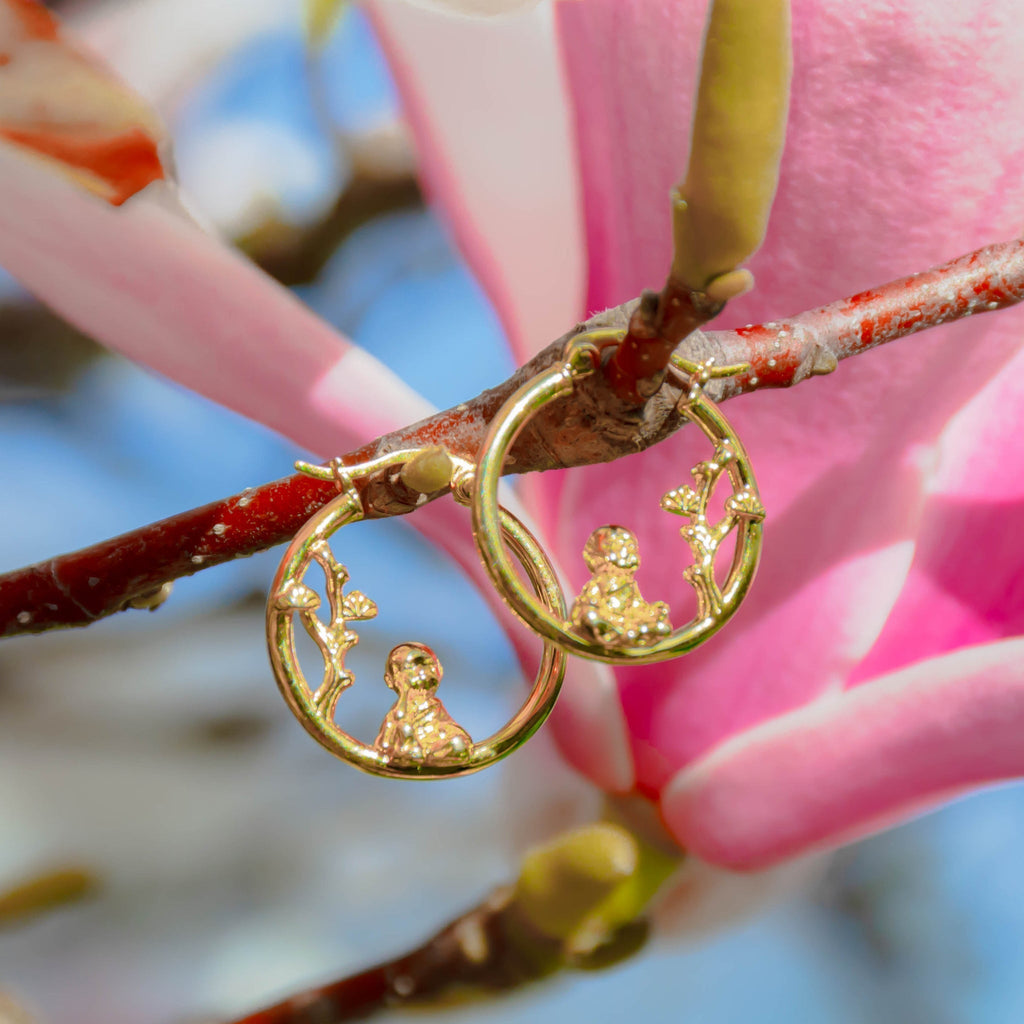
785,352
78,588
40,354
473,949
581,901
658,325
296,255
492,948
720,209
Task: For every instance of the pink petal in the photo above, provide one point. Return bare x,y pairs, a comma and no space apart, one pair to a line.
880,178
829,576
488,109
632,72
842,468
149,283
887,164
965,586
849,764
590,726
58,102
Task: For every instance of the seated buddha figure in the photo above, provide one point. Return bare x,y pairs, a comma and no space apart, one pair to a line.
610,608
418,728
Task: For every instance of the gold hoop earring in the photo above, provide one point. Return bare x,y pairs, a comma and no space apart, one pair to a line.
418,738
610,621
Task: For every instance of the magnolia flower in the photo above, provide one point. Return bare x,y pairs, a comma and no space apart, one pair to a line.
872,670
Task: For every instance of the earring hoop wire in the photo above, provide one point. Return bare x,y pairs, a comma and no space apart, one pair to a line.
716,605
290,598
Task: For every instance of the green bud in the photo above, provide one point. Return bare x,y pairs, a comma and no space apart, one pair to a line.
429,471
720,211
563,882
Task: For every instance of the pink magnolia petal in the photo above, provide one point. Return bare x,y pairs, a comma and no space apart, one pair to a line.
150,284
849,764
590,726
829,576
881,169
632,72
965,586
876,182
60,103
844,493
488,109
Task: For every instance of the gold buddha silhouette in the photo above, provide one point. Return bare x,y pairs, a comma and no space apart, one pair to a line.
610,608
418,728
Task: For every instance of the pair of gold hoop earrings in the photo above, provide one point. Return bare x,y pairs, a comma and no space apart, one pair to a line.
609,621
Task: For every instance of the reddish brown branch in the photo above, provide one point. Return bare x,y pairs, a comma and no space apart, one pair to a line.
493,948
784,352
297,255
473,950
79,588
657,327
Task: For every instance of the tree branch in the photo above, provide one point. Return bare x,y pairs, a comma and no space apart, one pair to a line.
78,588
484,949
491,949
580,903
296,254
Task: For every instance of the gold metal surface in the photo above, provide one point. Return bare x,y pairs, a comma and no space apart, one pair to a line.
418,728
610,608
610,619
418,738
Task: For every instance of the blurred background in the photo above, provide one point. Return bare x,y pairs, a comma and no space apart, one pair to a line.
224,860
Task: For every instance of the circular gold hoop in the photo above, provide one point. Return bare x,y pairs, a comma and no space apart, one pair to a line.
289,597
744,512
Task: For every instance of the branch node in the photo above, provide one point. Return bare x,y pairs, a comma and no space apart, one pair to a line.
824,362
152,599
